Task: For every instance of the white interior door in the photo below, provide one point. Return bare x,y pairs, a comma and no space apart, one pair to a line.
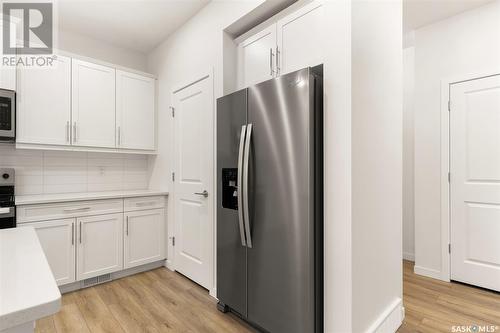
475,182
44,115
257,58
194,175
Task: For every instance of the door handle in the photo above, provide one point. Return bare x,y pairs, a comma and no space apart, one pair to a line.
271,54
204,193
80,233
74,131
240,184
72,233
245,185
67,131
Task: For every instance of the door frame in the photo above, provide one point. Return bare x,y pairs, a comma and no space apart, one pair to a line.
445,274
212,204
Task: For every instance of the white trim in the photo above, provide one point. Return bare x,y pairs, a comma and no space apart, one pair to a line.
390,319
428,272
445,273
409,256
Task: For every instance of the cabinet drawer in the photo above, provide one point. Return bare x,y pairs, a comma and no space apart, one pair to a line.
53,211
141,203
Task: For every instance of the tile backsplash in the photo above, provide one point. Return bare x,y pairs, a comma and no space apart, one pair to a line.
48,172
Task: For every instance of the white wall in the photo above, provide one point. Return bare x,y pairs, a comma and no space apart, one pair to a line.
466,43
82,45
377,120
48,172
408,154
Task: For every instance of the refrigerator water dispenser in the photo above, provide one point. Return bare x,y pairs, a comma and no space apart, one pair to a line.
230,188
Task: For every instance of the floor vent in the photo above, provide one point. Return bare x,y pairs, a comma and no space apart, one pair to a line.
96,280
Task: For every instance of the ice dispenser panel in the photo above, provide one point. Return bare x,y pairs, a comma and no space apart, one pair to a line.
230,188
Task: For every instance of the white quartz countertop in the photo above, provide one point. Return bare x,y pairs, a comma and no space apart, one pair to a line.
28,290
68,197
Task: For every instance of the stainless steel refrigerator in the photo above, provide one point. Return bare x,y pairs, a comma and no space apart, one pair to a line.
270,203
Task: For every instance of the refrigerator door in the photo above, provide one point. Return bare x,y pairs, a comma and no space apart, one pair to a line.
281,267
231,252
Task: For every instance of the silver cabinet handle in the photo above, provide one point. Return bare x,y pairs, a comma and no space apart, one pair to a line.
72,233
74,131
119,135
240,182
80,232
77,209
127,226
67,131
142,204
204,193
271,54
278,69
245,185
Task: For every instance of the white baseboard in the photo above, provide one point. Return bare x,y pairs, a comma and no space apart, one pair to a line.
390,319
409,256
429,272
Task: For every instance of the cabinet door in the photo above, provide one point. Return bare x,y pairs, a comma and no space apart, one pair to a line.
44,103
144,237
135,111
58,243
7,73
100,245
300,39
93,105
256,58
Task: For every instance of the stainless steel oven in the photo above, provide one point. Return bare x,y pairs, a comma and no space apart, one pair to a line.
7,115
7,201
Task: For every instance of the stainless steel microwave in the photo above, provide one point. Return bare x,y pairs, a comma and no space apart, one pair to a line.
7,115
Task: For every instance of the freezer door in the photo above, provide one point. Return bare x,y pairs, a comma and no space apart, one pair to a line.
231,254
281,261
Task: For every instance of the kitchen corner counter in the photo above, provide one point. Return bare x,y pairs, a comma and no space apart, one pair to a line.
70,197
28,290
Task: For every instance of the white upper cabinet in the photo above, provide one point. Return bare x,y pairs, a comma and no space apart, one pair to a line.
294,42
135,111
300,39
44,104
7,73
93,105
257,57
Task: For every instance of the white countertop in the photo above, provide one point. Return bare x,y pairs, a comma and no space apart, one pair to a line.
28,290
68,197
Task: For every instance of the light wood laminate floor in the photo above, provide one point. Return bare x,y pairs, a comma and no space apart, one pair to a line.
164,301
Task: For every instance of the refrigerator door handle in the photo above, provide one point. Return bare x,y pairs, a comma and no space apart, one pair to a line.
240,184
245,185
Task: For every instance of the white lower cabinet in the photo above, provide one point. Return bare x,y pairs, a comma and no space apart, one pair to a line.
58,243
144,237
99,245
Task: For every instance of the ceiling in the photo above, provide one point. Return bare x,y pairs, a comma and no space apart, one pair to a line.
133,24
417,13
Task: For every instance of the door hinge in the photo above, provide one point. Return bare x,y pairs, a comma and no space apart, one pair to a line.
173,176
449,106
173,241
449,248
173,111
